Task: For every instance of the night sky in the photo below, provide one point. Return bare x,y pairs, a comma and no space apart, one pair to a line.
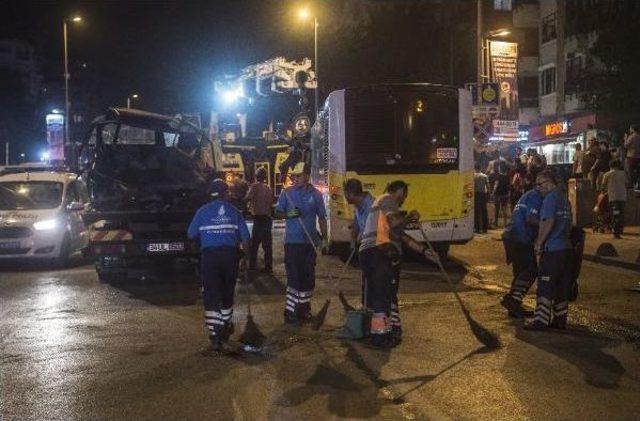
170,52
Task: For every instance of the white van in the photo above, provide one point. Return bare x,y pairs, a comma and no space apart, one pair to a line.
41,214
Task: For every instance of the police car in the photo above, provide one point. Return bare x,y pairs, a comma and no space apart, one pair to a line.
40,214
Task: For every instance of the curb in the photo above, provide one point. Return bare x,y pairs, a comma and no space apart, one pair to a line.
611,261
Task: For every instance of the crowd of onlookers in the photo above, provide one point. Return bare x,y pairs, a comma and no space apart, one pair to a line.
610,171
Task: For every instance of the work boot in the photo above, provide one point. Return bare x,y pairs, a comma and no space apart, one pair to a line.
378,341
228,331
558,324
291,319
216,342
513,306
535,325
396,335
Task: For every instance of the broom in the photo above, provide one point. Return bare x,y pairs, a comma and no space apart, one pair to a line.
252,338
488,339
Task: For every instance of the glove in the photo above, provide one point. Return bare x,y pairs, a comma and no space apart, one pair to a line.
413,216
293,213
430,255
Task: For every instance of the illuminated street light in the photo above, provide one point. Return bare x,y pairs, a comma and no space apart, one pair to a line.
304,14
67,76
130,97
498,33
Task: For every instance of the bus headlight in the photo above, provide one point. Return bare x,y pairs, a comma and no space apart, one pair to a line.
46,225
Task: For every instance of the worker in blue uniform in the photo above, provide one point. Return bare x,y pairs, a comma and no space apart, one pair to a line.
553,246
224,239
303,207
519,238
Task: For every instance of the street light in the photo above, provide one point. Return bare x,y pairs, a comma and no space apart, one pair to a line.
130,97
67,76
305,14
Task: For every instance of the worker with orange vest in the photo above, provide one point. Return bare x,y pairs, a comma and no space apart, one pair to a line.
380,254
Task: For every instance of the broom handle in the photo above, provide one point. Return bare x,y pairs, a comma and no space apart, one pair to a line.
441,267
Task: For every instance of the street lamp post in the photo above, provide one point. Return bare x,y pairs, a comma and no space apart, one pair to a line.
305,14
67,76
129,98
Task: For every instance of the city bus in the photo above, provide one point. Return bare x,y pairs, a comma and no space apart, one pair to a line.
420,133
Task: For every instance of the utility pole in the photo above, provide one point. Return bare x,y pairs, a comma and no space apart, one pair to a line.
480,46
561,64
67,105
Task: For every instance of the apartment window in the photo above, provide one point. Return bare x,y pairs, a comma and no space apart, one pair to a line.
549,28
575,64
504,5
548,81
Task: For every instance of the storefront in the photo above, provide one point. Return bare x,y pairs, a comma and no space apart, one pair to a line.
557,139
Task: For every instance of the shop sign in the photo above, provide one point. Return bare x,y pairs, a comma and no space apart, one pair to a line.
559,127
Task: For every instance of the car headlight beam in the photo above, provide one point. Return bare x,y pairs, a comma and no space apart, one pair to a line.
46,225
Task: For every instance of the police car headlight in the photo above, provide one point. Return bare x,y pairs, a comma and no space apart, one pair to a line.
46,225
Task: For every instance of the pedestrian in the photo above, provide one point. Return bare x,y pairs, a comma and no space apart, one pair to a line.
615,184
588,159
238,191
578,156
500,191
601,166
481,195
516,182
303,207
554,250
361,201
632,162
260,199
519,238
380,253
224,238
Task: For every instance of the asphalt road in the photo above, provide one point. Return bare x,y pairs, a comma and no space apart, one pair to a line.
75,348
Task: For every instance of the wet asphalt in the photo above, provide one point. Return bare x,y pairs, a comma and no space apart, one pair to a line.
75,348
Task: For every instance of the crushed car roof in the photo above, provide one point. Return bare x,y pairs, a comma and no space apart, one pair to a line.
148,120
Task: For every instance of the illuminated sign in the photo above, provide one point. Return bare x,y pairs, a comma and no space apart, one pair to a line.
559,127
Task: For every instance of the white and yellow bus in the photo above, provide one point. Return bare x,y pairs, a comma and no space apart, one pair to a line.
419,133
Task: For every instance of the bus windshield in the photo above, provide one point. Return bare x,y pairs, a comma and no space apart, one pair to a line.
404,130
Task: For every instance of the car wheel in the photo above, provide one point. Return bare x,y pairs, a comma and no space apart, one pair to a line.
65,251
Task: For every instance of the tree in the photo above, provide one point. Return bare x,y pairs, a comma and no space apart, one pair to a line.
610,83
18,122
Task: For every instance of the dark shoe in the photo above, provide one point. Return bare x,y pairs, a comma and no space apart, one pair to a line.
617,236
381,341
228,331
305,317
396,335
290,319
216,342
513,306
535,325
557,324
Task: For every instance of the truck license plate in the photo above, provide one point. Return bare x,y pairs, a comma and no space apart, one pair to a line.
164,247
10,245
